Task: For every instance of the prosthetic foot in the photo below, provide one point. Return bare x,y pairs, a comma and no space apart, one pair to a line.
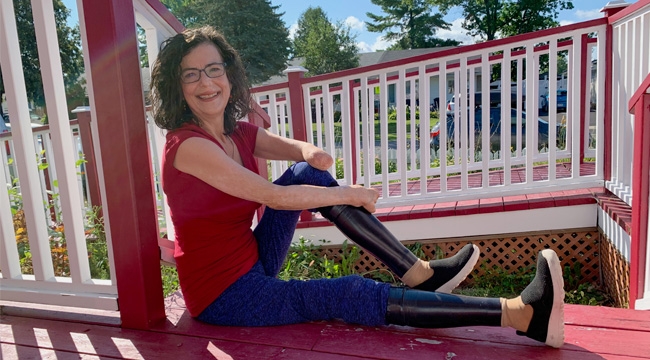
368,232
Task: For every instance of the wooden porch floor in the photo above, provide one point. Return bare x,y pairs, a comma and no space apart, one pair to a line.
591,333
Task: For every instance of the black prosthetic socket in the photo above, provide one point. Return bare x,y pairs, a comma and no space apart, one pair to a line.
368,232
424,309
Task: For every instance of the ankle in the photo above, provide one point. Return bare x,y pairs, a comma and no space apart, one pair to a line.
516,314
418,273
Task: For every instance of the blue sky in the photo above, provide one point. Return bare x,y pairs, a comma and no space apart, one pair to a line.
353,13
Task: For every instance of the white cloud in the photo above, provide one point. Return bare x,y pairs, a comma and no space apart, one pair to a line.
379,44
354,23
588,14
566,22
364,47
456,32
292,30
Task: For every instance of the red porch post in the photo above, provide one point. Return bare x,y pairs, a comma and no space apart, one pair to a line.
296,102
609,10
118,106
640,189
297,106
260,118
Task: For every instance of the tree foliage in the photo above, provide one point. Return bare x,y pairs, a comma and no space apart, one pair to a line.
254,28
410,23
324,46
490,19
531,15
69,46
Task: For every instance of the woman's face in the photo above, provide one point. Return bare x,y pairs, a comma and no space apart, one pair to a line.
207,97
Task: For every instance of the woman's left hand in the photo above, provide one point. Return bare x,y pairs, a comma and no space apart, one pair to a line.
317,158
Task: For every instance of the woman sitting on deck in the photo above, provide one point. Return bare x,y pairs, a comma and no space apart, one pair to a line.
228,272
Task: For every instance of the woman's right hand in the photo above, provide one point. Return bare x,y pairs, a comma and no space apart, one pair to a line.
364,197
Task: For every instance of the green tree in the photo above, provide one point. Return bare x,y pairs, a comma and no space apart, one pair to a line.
186,11
69,46
324,46
488,19
254,27
410,23
531,15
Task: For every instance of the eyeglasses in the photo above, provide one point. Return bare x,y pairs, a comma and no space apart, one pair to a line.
212,71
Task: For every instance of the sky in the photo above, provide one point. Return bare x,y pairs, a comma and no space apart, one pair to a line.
353,13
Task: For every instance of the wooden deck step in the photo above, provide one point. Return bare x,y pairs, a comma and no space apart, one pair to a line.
591,333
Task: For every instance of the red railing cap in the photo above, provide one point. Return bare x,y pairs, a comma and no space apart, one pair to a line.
644,88
623,9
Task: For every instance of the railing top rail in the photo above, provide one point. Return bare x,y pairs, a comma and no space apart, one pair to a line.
630,10
644,88
165,15
456,50
39,129
279,86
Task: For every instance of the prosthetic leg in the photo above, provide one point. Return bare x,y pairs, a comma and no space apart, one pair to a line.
538,313
368,232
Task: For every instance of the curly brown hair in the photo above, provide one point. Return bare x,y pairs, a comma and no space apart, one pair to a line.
170,111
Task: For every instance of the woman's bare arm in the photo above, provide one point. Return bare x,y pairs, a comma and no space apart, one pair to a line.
208,162
272,147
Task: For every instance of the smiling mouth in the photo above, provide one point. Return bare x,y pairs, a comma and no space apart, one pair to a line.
209,96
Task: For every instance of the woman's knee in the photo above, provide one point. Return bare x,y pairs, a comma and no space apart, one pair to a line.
302,173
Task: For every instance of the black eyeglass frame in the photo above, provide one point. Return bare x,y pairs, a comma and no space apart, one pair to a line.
222,65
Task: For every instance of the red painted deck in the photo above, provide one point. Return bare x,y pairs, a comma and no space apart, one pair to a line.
591,333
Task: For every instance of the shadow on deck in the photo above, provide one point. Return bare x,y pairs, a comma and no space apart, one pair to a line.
591,333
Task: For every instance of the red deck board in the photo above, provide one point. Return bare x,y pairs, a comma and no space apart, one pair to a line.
400,212
540,200
467,207
515,202
444,209
490,205
608,317
591,333
421,211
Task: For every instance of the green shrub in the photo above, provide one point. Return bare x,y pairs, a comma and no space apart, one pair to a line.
169,280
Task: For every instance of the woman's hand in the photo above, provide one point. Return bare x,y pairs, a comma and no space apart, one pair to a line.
316,157
364,197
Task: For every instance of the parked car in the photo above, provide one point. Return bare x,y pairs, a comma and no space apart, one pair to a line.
495,100
561,101
495,128
3,123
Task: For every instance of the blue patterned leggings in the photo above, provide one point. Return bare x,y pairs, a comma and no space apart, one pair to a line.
260,299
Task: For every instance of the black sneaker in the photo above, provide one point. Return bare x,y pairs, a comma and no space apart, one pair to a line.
546,295
449,272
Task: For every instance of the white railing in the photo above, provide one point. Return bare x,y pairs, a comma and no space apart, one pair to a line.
44,173
43,150
24,153
275,104
630,65
340,111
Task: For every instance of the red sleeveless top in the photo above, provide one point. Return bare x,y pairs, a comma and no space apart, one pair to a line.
214,243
